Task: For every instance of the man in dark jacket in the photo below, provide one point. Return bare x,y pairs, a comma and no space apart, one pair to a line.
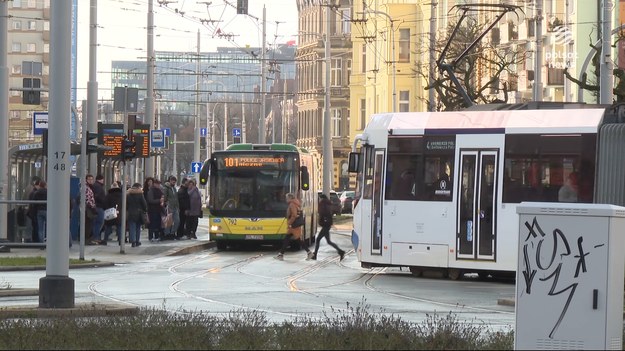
113,200
42,217
156,203
325,221
136,206
183,203
32,210
99,194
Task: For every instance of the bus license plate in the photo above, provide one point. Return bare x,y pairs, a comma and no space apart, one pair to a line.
253,237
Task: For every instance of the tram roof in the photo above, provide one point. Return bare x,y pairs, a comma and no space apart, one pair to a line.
555,121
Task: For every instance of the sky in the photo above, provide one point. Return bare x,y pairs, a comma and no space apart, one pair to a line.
122,30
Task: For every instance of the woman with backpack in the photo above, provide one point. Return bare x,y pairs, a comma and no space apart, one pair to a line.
293,211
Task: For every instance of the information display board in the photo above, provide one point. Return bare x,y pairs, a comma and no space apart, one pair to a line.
111,135
141,134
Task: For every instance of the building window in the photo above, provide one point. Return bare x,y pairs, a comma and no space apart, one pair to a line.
17,4
364,58
32,25
31,47
15,114
335,114
17,25
46,48
404,101
346,18
30,68
348,63
16,47
336,80
363,113
32,4
16,69
46,26
404,44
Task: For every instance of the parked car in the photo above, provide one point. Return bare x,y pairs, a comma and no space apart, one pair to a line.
336,202
346,199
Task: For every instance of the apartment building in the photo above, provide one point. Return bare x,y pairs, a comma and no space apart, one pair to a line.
28,63
313,34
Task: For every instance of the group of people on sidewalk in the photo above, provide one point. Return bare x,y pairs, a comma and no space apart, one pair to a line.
326,221
147,206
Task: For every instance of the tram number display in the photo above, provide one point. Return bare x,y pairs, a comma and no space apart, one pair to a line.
253,161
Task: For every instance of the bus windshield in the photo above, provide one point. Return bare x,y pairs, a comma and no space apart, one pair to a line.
251,186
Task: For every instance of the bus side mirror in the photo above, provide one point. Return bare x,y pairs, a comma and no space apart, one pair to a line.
354,161
204,172
305,178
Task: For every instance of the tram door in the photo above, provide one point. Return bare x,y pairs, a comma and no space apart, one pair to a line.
476,212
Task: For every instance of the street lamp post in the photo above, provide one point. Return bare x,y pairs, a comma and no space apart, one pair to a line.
393,60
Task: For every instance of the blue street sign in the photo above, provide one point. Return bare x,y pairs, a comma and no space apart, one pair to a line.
40,122
236,132
167,131
157,138
196,166
203,132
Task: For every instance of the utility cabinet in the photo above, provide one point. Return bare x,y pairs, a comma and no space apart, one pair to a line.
569,279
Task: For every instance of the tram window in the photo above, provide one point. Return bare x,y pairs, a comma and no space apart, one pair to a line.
535,166
420,168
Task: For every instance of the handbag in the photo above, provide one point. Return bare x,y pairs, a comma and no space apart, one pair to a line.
91,212
167,219
110,213
145,218
299,220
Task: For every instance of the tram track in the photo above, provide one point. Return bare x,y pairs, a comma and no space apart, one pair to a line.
368,283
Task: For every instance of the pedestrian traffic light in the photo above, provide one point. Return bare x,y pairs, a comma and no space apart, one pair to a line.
128,149
31,94
242,7
202,143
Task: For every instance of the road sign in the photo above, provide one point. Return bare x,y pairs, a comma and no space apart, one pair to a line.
203,132
196,166
37,164
40,122
236,132
167,132
157,138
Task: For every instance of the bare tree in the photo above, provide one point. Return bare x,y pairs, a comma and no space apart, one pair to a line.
592,83
480,72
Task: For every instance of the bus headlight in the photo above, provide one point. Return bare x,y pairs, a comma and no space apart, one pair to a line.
215,228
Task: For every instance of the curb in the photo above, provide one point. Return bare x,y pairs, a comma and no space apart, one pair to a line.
506,302
82,310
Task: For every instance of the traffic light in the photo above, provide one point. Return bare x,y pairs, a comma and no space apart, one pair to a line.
202,143
91,148
242,7
30,91
128,149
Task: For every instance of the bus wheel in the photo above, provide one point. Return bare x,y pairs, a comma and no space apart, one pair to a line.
454,274
416,271
222,245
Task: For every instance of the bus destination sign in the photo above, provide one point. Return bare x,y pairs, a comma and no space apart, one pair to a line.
253,161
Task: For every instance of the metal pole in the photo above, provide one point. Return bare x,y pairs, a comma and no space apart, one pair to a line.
92,85
196,132
149,97
538,84
431,92
261,123
83,185
568,49
225,125
175,165
5,166
56,289
122,244
607,77
327,131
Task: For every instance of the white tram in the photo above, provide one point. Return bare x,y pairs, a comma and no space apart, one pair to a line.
440,189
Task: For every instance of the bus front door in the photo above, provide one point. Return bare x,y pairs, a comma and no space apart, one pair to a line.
476,212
